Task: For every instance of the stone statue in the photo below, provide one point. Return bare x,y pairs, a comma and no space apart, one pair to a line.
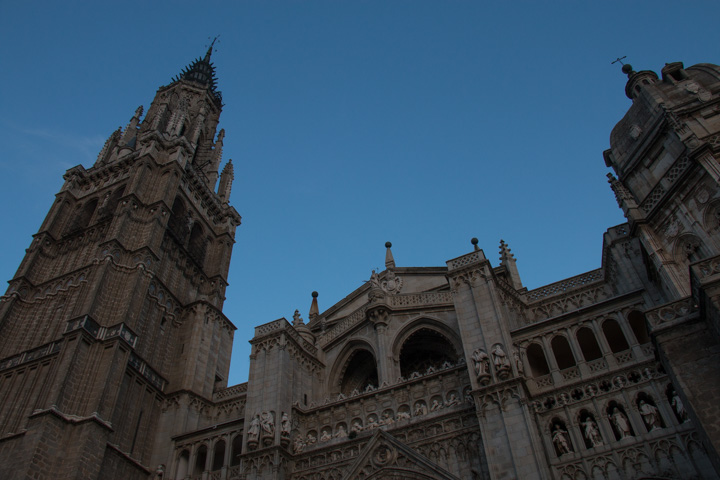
160,471
374,280
499,358
325,436
254,430
650,415
297,319
311,439
591,432
452,400
621,423
436,405
357,426
678,407
285,425
481,362
267,422
420,409
341,432
559,438
518,363
403,415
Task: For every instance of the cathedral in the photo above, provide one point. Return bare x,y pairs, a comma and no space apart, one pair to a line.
115,352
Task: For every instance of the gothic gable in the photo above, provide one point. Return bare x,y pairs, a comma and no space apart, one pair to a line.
385,457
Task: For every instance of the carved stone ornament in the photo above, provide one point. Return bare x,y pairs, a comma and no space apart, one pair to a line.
481,364
635,132
502,367
392,284
254,432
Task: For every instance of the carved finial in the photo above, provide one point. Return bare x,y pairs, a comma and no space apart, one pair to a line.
389,260
314,310
505,254
297,319
474,242
226,179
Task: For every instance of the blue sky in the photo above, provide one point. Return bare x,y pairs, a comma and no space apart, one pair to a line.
424,123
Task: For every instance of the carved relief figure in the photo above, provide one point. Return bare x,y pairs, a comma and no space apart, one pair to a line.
254,430
325,436
341,432
591,432
436,405
311,438
420,408
299,445
267,424
357,426
621,423
403,415
650,415
452,400
372,422
560,439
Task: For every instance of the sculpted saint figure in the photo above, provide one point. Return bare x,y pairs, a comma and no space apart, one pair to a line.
481,362
267,423
591,432
435,405
420,409
518,363
341,432
325,436
621,423
374,280
650,415
299,444
285,425
560,440
452,400
254,430
357,426
679,408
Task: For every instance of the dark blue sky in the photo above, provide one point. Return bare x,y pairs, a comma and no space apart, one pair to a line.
350,124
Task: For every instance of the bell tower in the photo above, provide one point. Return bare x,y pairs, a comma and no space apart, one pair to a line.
117,305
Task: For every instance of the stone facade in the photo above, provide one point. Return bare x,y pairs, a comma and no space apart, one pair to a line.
114,351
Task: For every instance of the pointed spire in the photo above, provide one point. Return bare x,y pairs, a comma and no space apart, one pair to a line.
131,130
507,260
389,260
314,310
226,178
202,71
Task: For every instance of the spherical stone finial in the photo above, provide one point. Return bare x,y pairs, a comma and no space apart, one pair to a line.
388,244
314,294
474,241
627,69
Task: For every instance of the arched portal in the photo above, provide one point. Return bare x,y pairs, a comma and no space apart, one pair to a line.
360,372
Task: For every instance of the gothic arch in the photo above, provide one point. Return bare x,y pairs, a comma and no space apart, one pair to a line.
537,360
688,248
427,335
711,217
614,336
562,352
355,367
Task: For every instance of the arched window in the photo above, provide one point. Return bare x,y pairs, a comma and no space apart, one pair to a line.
82,218
588,344
425,350
563,354
178,220
236,450
639,327
197,244
360,372
182,466
218,455
200,460
537,361
614,336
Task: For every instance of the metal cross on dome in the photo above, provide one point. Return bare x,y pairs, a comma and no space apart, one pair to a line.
620,59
